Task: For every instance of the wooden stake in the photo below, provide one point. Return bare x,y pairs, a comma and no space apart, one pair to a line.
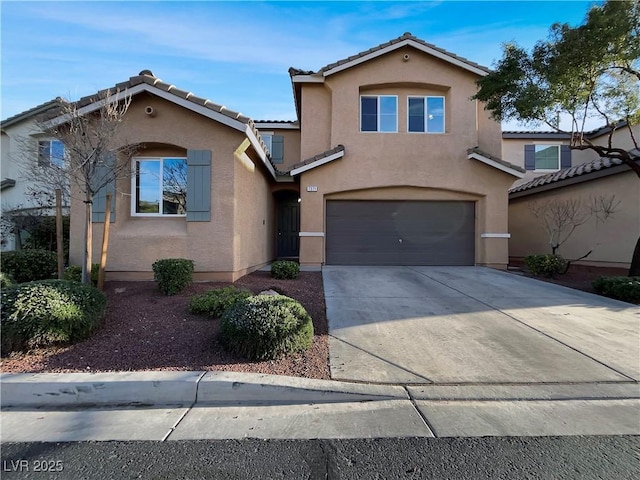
59,234
105,241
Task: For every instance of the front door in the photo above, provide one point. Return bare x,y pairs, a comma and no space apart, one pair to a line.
288,227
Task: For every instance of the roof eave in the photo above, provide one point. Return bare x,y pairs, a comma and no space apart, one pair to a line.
317,163
491,162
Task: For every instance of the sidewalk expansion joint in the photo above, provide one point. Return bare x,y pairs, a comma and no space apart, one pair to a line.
187,410
424,418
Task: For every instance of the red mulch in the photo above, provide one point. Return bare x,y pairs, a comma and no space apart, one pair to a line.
146,330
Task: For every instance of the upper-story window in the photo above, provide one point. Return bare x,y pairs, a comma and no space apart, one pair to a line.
51,152
426,114
275,145
547,157
159,186
266,138
379,113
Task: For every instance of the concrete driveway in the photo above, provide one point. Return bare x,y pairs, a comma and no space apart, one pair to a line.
470,325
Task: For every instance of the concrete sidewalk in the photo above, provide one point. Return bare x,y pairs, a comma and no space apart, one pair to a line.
225,405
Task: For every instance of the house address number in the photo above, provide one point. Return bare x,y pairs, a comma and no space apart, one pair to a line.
312,188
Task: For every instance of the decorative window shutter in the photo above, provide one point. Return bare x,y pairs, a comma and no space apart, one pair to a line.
100,198
199,186
529,157
44,153
565,156
277,149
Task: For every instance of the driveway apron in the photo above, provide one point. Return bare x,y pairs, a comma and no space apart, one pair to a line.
466,325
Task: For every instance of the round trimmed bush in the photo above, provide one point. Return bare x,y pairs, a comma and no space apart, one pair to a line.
215,302
263,327
173,274
49,312
29,265
548,265
285,270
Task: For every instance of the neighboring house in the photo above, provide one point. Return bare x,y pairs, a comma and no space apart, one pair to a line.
555,172
388,163
22,142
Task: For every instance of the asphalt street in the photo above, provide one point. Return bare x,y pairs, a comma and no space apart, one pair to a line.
593,457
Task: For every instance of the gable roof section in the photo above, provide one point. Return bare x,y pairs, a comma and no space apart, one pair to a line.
145,81
552,134
495,162
37,110
600,167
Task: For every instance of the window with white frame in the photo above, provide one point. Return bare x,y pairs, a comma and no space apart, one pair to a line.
266,138
547,157
426,114
51,152
378,113
159,186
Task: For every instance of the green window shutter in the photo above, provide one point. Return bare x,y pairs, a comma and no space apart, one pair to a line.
198,185
100,198
529,157
277,149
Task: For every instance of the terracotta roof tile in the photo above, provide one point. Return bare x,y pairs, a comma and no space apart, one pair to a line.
315,158
38,109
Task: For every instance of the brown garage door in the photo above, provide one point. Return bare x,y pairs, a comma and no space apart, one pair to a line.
400,233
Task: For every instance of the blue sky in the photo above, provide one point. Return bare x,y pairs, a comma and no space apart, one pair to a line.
238,53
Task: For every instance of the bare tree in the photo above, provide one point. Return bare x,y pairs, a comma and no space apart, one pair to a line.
92,159
561,217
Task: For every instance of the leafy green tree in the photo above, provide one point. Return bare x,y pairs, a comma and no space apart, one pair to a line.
587,72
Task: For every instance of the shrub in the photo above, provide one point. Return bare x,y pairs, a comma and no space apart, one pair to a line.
74,273
6,280
173,274
42,234
626,289
29,265
266,326
546,265
49,312
215,302
285,270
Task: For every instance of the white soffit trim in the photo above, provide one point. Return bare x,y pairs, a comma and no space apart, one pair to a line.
317,163
495,235
495,164
307,79
414,44
311,234
258,148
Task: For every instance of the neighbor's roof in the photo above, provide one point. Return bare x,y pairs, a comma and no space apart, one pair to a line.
37,110
596,132
585,171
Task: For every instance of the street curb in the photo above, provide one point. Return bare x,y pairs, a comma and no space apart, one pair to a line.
65,390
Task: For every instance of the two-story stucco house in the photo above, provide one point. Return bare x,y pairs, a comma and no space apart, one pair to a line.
554,172
389,162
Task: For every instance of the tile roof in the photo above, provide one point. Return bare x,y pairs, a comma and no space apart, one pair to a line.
402,38
567,173
504,163
38,109
596,132
317,158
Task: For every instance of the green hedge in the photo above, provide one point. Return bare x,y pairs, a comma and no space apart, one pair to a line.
215,302
173,274
626,289
74,273
264,327
547,265
29,265
48,312
285,270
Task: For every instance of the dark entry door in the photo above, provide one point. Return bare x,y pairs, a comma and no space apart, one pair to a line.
288,227
400,233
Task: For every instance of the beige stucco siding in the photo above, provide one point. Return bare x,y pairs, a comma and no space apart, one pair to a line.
136,242
612,243
316,117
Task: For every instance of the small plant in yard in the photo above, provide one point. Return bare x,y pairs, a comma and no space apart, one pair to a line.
626,289
173,274
29,265
6,280
215,302
49,312
285,270
74,273
548,265
264,327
